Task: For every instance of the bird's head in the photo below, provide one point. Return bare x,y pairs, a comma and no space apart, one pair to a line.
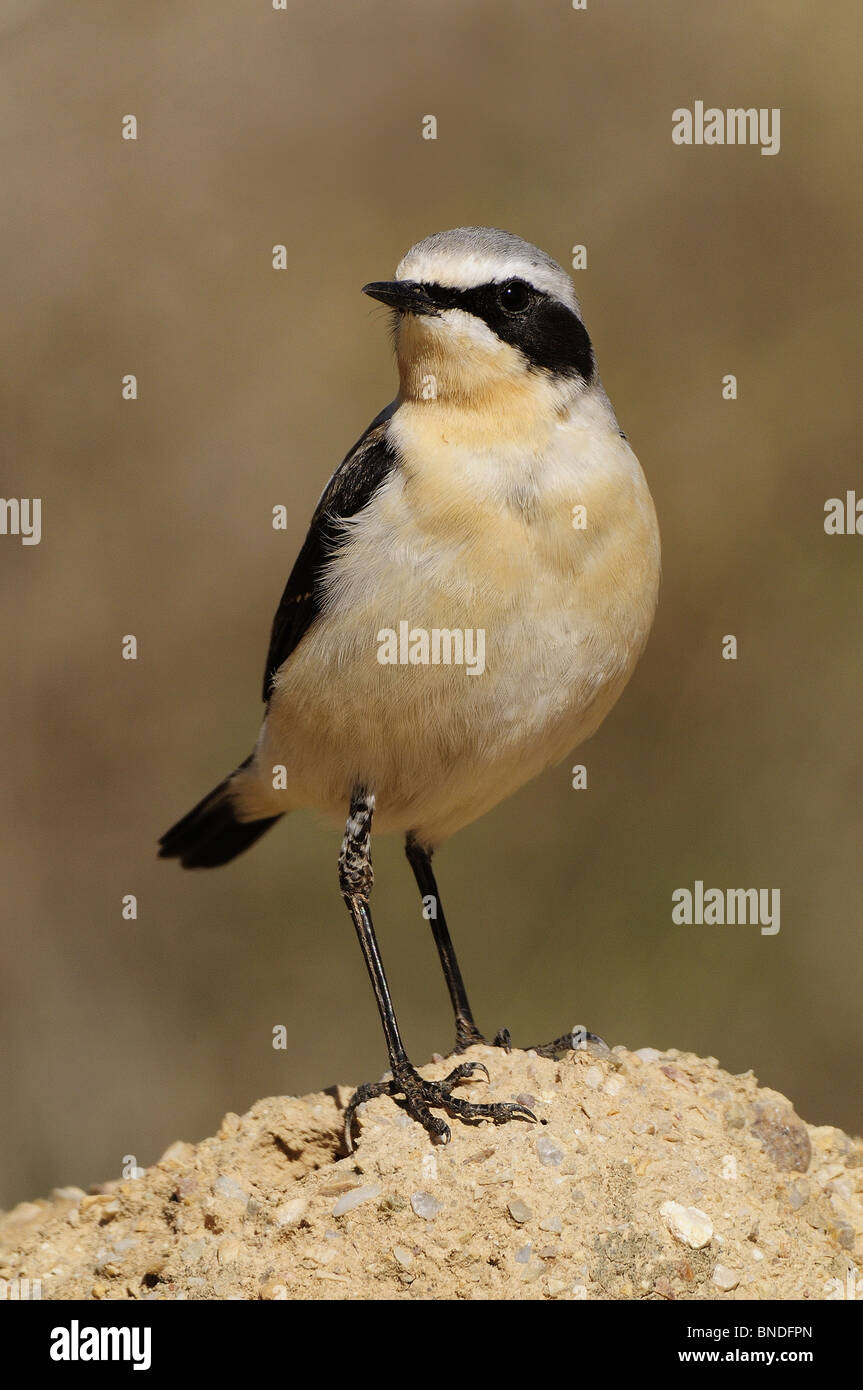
482,316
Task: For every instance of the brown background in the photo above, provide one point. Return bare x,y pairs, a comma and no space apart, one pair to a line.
303,127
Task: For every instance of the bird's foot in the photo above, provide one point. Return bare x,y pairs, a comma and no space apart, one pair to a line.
578,1039
418,1097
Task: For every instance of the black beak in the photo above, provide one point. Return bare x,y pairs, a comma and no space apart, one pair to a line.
407,295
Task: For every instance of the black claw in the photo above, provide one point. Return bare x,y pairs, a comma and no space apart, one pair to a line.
503,1039
465,1071
521,1111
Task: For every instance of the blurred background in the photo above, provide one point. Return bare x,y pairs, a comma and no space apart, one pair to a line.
154,258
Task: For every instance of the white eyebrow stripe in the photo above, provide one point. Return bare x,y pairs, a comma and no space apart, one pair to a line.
467,272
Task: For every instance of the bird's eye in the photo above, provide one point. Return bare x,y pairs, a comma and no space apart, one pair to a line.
514,296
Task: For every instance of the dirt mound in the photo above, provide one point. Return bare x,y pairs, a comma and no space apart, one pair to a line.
649,1175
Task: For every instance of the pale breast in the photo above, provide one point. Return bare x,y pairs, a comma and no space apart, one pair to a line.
461,541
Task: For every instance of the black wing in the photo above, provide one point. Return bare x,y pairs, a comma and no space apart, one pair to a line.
353,484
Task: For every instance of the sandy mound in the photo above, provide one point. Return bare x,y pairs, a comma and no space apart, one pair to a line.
650,1175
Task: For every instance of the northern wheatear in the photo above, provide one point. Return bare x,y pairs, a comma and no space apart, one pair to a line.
477,583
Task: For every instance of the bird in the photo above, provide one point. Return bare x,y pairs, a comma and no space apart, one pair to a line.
477,583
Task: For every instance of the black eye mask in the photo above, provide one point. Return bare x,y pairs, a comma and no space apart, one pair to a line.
549,333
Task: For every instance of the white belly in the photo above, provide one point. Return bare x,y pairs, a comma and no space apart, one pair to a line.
452,542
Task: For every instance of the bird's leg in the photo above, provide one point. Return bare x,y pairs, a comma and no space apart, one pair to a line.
466,1031
407,1087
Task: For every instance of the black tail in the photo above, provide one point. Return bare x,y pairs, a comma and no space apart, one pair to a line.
211,834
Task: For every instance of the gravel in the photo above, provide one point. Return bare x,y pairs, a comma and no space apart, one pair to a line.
351,1200
425,1205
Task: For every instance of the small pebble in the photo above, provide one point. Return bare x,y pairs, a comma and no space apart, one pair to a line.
648,1054
228,1187
101,1205
687,1224
177,1152
289,1213
783,1135
425,1205
356,1198
547,1151
522,1256
479,1157
593,1078
25,1211
552,1224
840,1189
404,1256
725,1278
275,1290
519,1211
675,1074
